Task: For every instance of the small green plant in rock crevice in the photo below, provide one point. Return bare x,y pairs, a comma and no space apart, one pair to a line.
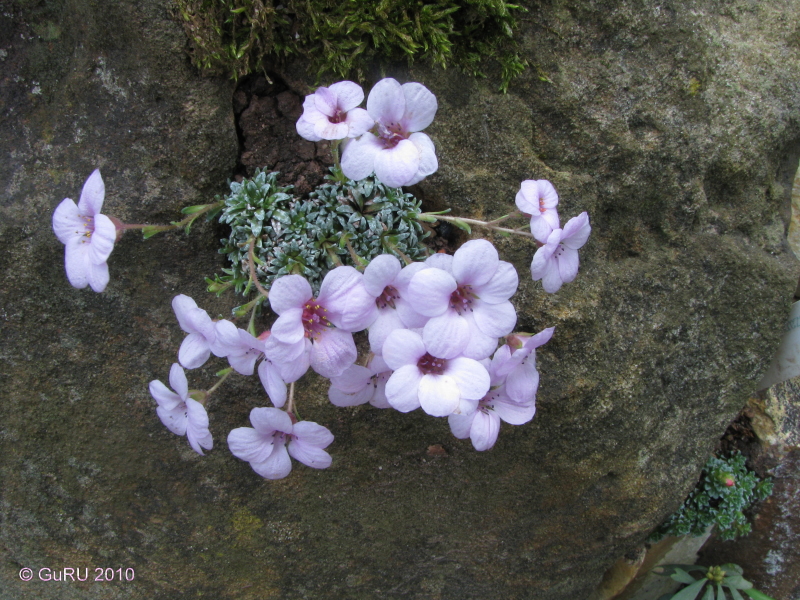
728,578
342,222
725,490
341,37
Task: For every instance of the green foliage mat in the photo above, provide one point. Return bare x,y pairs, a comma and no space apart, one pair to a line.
340,37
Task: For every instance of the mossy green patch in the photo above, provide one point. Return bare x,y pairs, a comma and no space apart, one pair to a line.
340,37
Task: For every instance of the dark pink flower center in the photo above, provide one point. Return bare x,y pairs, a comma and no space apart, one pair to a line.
338,117
391,134
314,319
541,205
461,299
430,365
387,297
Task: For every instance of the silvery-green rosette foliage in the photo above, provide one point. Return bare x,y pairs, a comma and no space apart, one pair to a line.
310,236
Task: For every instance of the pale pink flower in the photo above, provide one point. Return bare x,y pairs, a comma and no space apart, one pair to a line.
556,262
515,364
399,154
330,113
465,297
483,425
264,445
386,281
539,199
240,347
342,307
440,386
198,345
359,385
181,414
88,236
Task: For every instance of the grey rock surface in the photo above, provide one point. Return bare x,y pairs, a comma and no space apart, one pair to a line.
677,126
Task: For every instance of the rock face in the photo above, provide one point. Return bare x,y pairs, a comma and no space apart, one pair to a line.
677,127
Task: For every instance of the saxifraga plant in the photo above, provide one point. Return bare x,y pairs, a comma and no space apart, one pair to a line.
342,222
725,490
727,578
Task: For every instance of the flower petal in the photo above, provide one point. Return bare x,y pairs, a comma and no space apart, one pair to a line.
194,351
403,347
495,320
446,336
475,263
386,102
568,265
267,420
178,381
166,398
438,395
76,264
421,106
388,321
331,131
343,399
397,166
289,291
380,272
353,379
288,328
428,163
501,286
309,455
103,239
273,383
515,413
97,275
359,122
197,427
358,157
348,95
576,231
523,382
277,465
430,290
92,195
485,428
174,419
402,388
306,127
332,352
67,222
460,425
471,377
246,443
312,434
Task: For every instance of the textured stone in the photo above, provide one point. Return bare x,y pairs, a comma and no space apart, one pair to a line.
675,126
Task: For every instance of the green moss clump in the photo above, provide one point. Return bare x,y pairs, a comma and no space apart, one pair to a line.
340,37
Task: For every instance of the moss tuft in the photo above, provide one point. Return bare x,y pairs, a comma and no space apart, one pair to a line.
340,37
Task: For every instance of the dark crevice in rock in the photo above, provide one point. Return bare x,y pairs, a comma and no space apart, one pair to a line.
265,112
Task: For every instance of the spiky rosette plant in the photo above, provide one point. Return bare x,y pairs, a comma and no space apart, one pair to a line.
342,222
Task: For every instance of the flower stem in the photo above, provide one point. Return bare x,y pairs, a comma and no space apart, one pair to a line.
150,230
251,263
360,262
488,225
224,373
